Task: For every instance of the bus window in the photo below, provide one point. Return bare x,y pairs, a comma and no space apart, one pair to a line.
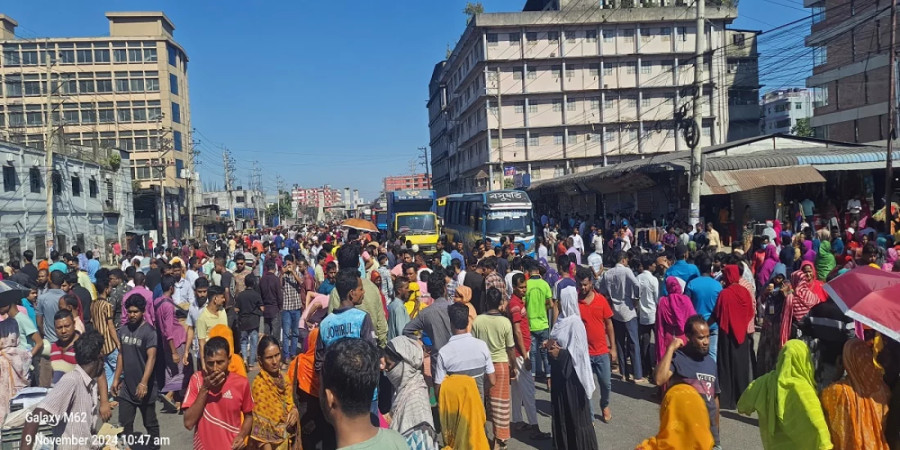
476,216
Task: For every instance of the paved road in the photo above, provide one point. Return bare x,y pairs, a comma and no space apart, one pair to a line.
635,418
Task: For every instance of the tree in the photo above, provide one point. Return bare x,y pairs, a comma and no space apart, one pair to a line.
472,9
802,128
283,209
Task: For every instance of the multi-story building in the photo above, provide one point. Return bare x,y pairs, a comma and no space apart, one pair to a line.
782,108
573,85
92,200
742,79
850,42
245,202
414,181
310,196
128,90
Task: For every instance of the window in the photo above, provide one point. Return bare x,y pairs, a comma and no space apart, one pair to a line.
179,166
520,140
135,55
570,71
514,38
9,179
553,36
608,68
595,103
609,103
572,105
557,105
56,178
123,114
532,73
11,58
520,106
34,178
645,35
609,136
239,199
173,83
629,35
104,86
492,39
120,55
105,113
798,106
608,36
645,102
121,85
532,107
34,118
557,71
86,86
738,40
632,102
172,54
149,55
682,31
110,195
93,188
152,84
570,36
101,56
176,113
531,37
32,88
631,68
557,138
534,140
666,34
590,35
517,73
573,137
29,58
85,56
88,115
176,141
67,56
76,187
136,85
646,67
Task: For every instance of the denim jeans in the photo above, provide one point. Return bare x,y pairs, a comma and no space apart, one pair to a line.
627,344
250,338
600,365
290,329
540,365
109,366
714,344
648,357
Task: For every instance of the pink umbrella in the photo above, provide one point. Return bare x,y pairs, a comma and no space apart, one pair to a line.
880,310
849,288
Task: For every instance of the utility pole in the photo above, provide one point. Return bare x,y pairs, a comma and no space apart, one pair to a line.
424,157
892,119
194,153
48,149
693,139
162,181
278,185
256,186
499,130
229,177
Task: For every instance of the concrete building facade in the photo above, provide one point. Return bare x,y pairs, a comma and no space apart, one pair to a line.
580,86
414,181
310,196
849,42
92,201
128,90
245,202
782,109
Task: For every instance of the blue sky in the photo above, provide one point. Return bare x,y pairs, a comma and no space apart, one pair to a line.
317,92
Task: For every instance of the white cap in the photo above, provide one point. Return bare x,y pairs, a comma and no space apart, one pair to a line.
415,248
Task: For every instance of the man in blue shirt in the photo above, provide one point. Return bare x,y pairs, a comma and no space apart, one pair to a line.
457,254
682,269
704,292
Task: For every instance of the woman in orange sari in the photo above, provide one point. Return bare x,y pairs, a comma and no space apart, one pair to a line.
680,425
855,407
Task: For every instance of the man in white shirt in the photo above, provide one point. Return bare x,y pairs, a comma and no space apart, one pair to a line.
649,297
854,206
595,260
577,242
597,241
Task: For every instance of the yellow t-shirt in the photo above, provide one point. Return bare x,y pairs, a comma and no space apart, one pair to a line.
208,320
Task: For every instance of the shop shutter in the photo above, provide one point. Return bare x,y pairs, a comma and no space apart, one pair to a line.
761,202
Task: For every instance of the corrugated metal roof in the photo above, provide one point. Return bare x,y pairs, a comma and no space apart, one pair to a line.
730,181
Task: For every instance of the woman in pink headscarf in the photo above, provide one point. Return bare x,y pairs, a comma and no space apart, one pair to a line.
768,265
671,314
890,258
809,255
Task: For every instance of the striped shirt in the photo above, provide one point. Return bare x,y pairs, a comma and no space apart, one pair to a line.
62,360
101,314
73,400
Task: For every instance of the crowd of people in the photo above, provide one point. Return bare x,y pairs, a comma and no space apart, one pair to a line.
325,337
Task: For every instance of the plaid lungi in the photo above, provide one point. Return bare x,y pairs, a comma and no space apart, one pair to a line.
498,400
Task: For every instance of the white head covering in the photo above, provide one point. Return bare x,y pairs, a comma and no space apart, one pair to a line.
570,333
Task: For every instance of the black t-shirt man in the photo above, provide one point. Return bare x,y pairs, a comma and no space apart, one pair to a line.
134,357
249,304
702,374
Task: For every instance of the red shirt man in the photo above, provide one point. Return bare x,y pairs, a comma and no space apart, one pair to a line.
597,317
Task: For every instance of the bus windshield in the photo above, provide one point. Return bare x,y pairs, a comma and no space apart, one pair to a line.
417,223
509,221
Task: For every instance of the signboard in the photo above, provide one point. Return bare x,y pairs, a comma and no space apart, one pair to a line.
509,171
522,180
508,197
413,195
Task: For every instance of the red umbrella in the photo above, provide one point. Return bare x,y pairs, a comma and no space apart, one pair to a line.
880,310
849,288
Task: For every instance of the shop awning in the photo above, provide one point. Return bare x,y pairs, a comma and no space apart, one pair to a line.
729,181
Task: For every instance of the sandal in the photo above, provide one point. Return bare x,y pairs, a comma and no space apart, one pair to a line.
538,435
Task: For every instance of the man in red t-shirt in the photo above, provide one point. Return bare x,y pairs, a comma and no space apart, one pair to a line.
218,405
522,386
597,317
